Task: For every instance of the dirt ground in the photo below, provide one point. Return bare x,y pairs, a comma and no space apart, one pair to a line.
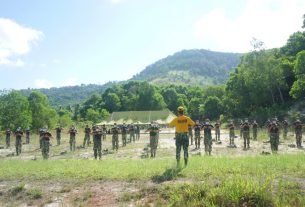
109,193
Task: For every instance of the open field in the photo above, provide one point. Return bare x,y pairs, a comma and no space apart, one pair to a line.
231,177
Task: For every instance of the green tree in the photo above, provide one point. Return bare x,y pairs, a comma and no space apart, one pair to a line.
212,108
298,88
42,113
112,102
14,111
65,119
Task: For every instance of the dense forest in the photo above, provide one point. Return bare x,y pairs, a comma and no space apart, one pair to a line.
193,67
266,83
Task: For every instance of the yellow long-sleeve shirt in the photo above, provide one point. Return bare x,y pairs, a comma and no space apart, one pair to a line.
181,123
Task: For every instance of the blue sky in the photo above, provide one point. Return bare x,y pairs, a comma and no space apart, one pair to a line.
67,42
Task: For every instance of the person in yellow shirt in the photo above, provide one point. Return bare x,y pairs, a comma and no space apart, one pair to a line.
181,123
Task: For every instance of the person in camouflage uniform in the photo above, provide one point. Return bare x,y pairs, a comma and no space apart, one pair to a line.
181,123
18,143
72,141
132,133
197,129
97,142
8,133
27,135
285,128
207,130
115,137
87,136
104,130
190,134
246,134
153,139
217,131
254,128
298,133
137,131
231,133
274,136
58,130
45,149
124,130
241,129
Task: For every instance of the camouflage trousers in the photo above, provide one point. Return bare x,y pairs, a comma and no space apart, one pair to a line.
241,133
45,149
182,141
153,143
124,139
40,143
217,134
246,136
72,143
254,134
207,144
97,147
58,138
197,140
27,139
18,145
274,141
8,141
299,139
115,142
86,140
132,137
232,136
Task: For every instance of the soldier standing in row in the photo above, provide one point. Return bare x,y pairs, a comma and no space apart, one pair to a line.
104,130
246,134
87,136
115,137
232,133
58,134
18,144
241,129
40,132
254,127
285,128
217,131
27,135
298,133
97,142
274,136
137,131
197,128
45,139
181,123
72,141
124,134
190,134
132,133
207,129
8,133
153,139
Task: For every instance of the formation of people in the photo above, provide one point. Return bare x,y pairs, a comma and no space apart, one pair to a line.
183,135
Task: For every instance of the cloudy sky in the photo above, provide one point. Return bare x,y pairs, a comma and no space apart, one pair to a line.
55,43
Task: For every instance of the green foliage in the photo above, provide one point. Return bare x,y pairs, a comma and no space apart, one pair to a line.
212,108
17,189
42,113
295,44
35,193
64,118
14,111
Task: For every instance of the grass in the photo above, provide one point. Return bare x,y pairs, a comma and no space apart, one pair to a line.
199,168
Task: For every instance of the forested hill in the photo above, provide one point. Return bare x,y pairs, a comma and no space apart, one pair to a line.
70,95
194,67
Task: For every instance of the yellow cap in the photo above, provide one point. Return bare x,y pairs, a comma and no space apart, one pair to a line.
180,109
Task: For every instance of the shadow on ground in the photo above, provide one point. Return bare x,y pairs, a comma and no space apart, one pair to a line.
169,174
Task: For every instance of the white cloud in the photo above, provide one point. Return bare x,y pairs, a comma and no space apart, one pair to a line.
271,21
15,40
69,82
42,83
